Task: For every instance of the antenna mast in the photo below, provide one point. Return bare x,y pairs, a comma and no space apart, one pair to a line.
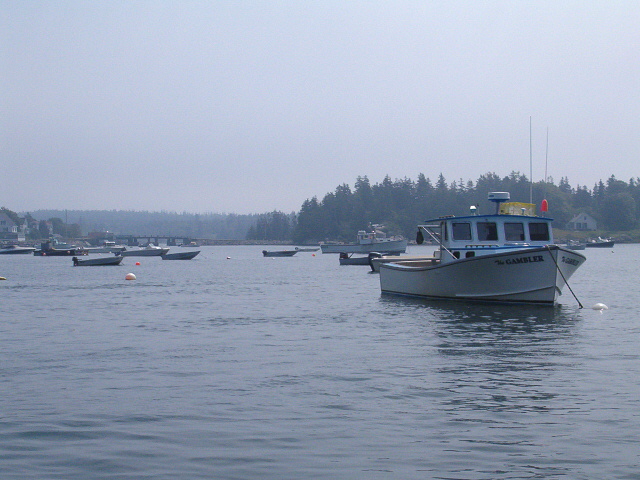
546,158
530,164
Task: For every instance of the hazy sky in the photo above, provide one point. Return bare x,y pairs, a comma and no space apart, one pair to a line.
254,106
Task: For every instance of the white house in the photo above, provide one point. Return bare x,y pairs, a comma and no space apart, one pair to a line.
582,221
9,229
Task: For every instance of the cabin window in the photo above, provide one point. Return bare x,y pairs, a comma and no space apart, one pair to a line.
444,230
539,231
461,231
514,232
487,231
470,254
456,254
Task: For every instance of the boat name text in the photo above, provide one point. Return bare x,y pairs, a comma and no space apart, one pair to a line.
515,261
570,261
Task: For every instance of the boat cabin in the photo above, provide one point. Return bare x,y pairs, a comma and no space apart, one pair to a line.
474,235
374,236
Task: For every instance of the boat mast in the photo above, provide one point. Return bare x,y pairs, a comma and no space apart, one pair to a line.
546,158
530,164
545,204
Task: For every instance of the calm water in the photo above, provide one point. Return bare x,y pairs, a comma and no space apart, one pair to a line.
292,368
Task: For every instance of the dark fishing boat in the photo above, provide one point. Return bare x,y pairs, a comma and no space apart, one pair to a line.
94,262
180,255
279,253
600,243
55,249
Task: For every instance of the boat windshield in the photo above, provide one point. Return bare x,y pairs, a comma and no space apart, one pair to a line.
514,232
487,231
539,231
461,231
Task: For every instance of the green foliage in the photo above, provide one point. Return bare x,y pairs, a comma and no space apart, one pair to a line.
401,204
202,225
12,215
272,226
621,211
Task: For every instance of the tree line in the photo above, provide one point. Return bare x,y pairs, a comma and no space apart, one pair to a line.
398,204
191,225
401,204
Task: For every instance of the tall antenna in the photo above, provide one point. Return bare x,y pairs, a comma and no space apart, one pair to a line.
530,164
545,205
546,158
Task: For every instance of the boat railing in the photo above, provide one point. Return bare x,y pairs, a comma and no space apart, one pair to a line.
437,238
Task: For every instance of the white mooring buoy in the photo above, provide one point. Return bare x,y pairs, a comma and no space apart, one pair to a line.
600,307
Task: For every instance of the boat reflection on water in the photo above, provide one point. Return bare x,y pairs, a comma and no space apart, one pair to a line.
469,312
486,359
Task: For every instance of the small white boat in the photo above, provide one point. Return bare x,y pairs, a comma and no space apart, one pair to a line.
148,251
377,261
367,242
180,255
191,245
16,250
307,249
573,245
506,257
106,247
101,261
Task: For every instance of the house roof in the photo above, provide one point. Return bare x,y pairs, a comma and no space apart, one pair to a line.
582,216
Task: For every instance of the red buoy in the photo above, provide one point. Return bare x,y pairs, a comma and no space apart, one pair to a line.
545,206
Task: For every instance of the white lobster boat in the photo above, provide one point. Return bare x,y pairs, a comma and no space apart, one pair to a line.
507,257
368,242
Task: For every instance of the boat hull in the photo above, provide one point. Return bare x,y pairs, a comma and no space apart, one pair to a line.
534,276
105,249
391,246
95,262
54,252
600,244
180,255
145,252
376,262
279,253
355,261
15,250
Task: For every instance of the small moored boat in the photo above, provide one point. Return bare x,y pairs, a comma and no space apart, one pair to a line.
279,253
16,250
600,243
367,242
56,249
573,245
180,255
100,261
377,261
107,247
346,259
148,251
